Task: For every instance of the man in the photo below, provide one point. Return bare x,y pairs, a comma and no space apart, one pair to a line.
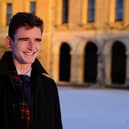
28,97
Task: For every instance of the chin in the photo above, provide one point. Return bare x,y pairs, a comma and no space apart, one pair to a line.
29,61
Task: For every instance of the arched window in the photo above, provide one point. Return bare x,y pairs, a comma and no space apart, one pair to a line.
90,63
118,65
65,63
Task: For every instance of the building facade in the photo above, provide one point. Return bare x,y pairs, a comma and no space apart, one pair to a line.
84,42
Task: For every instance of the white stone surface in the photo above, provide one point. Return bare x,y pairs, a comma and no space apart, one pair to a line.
94,108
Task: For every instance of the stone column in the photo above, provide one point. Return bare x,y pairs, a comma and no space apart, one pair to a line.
55,66
76,68
107,64
100,70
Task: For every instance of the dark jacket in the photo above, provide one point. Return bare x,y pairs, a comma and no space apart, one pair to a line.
45,100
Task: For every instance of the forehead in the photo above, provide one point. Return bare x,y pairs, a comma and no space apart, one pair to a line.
28,31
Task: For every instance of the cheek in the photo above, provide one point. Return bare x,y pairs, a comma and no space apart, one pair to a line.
16,48
38,46
12,45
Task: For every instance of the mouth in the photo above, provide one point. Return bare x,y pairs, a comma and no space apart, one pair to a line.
30,53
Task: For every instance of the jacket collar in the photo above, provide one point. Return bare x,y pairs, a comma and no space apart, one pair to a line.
8,70
7,66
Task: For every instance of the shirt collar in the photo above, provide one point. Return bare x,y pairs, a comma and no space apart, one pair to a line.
27,73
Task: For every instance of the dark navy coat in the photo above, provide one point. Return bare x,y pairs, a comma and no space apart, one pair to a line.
45,100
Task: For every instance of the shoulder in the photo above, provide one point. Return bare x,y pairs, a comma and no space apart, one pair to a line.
49,80
49,85
46,75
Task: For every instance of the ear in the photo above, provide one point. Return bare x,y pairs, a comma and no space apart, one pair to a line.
8,41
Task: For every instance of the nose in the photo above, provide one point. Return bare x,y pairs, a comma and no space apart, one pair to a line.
30,44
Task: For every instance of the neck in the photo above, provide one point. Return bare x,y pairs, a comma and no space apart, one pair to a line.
22,68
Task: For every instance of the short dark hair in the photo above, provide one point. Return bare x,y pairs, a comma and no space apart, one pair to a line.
24,19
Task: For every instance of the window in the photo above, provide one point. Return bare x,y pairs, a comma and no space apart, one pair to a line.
91,10
33,7
119,10
9,13
65,11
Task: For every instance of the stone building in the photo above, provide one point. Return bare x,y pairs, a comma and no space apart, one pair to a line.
84,42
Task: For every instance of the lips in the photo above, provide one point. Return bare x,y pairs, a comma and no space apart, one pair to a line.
29,53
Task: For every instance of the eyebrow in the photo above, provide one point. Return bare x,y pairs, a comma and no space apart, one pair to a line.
38,39
23,38
27,38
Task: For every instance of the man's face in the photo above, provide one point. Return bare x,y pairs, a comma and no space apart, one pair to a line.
26,44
